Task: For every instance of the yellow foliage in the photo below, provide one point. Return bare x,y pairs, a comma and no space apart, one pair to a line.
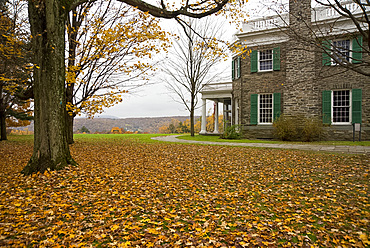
211,123
21,132
115,52
14,70
116,130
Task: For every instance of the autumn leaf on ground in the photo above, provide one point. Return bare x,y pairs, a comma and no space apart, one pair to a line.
126,193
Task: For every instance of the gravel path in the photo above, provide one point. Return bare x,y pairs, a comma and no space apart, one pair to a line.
308,147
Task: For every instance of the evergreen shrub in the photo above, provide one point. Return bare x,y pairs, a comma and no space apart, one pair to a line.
231,132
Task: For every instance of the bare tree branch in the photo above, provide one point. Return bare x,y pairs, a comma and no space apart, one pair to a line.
192,63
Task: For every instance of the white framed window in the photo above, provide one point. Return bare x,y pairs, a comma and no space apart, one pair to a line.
235,68
265,60
341,51
341,107
265,108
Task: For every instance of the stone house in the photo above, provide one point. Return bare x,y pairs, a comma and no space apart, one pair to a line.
284,74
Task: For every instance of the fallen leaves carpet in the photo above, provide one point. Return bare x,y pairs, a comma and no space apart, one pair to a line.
126,193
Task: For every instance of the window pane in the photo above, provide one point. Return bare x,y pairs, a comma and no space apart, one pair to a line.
265,60
341,105
236,68
341,49
265,108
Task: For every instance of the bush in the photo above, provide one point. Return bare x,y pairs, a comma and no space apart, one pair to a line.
231,132
285,128
312,129
289,128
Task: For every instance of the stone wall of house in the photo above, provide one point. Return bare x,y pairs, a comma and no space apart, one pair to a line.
301,89
338,78
257,83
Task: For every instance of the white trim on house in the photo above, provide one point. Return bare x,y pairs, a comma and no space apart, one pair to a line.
272,29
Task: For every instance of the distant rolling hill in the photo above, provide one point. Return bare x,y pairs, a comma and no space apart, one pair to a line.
147,124
102,124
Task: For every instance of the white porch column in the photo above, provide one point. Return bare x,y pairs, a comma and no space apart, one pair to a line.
216,118
204,118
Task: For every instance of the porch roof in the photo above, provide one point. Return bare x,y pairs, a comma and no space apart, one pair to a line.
217,91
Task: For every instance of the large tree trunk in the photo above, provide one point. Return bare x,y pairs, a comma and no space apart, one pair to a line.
2,116
2,125
51,151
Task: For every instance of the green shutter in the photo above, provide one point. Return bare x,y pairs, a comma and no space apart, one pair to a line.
357,50
254,61
254,109
277,105
326,60
356,105
239,68
276,59
326,107
232,70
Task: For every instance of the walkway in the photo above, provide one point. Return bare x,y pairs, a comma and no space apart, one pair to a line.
308,147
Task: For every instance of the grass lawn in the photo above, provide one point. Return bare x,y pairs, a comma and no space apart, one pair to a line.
114,137
217,139
130,191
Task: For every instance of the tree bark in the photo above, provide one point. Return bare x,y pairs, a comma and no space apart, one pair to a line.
72,44
192,108
2,116
3,126
51,151
69,127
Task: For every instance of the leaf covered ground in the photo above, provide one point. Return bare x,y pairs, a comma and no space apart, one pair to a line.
126,193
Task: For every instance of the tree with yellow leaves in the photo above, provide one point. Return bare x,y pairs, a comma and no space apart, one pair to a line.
107,44
47,21
14,70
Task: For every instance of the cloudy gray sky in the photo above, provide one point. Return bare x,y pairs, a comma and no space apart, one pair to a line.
155,100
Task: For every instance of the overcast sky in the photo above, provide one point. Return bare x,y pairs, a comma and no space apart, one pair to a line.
155,100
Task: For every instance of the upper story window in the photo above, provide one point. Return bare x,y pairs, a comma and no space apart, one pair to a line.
265,60
342,51
235,68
